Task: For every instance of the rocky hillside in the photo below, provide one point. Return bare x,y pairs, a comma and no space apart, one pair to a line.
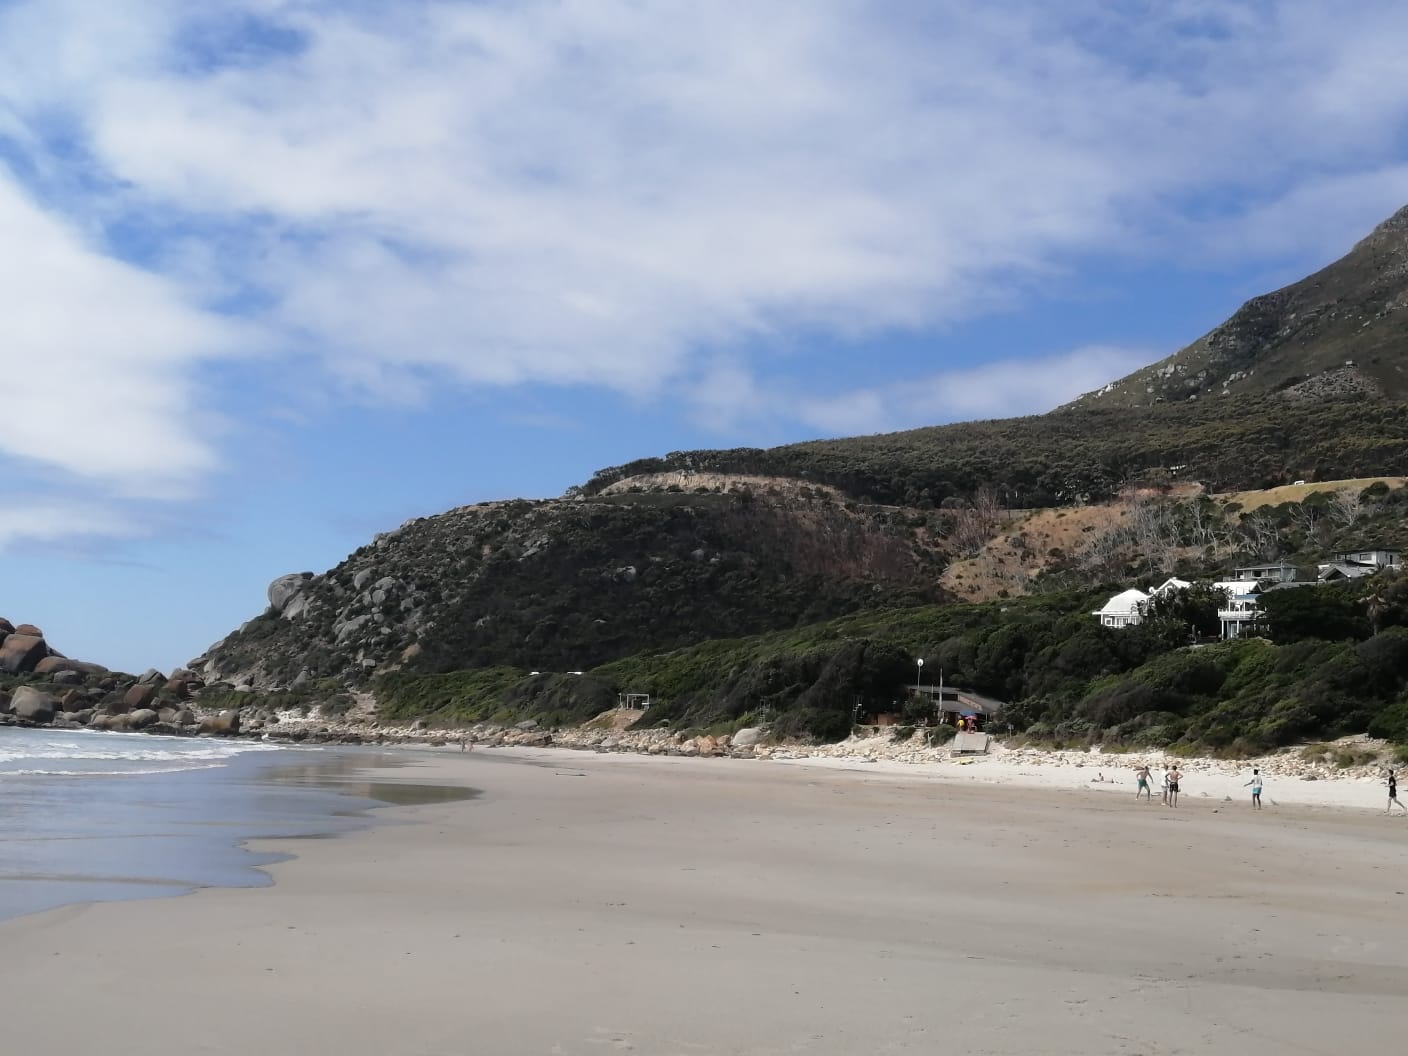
571,584
1341,333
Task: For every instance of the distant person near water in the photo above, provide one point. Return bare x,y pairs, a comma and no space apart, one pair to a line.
1163,797
1393,794
1143,777
1174,777
1255,782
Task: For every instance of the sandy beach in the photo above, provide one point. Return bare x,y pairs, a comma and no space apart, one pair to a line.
591,904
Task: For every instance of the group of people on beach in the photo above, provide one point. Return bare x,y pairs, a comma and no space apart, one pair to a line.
1173,777
1172,783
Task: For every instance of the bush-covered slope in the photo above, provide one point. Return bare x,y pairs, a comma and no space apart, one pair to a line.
1081,454
567,585
1068,681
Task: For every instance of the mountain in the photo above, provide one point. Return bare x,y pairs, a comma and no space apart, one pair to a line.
1339,333
669,552
564,585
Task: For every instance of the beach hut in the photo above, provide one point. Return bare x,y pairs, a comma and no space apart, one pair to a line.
952,704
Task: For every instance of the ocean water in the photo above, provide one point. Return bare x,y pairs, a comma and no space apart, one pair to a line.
105,816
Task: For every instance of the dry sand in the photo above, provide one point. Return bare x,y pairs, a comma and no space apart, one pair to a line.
587,905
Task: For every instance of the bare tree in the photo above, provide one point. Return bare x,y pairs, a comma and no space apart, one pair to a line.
1155,534
974,524
1262,537
1307,518
1202,531
1348,506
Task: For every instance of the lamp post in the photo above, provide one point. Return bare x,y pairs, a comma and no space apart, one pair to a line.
919,675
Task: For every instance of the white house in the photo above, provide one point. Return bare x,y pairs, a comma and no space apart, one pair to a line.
1125,609
1242,607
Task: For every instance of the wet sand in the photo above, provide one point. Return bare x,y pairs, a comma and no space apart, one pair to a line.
588,904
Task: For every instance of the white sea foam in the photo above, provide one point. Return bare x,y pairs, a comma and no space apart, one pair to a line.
109,773
89,753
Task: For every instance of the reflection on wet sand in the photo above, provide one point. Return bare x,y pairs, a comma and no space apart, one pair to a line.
347,773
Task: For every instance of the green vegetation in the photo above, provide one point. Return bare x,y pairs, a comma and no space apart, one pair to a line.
1068,681
1082,452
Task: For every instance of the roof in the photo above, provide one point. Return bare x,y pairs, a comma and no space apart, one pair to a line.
971,703
1238,588
960,700
1344,570
1172,583
1124,603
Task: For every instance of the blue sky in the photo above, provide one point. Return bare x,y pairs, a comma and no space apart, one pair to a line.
280,274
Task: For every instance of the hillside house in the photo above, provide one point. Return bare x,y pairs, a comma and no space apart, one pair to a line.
1356,564
1277,573
1126,609
1242,608
1375,558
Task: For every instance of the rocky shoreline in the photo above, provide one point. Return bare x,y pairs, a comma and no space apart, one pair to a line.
1348,758
48,689
60,693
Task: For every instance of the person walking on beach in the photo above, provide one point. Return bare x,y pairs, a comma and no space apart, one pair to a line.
1163,797
1255,782
1144,777
1393,794
1174,777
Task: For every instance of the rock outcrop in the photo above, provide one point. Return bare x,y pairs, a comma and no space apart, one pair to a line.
66,693
21,652
30,705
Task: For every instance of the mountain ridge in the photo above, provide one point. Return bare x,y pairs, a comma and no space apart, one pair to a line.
1320,336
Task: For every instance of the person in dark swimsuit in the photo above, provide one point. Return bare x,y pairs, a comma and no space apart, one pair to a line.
1393,794
1174,777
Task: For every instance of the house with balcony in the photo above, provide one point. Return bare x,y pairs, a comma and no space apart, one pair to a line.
1242,610
1277,573
1238,615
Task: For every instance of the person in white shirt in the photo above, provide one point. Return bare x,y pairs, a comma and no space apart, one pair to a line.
1255,784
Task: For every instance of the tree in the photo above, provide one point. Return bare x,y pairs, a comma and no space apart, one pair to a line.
1325,613
1194,607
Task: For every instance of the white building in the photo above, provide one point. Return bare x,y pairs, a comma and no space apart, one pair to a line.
1126,609
1242,607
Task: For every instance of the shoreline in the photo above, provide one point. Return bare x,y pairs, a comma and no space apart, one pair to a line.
1289,778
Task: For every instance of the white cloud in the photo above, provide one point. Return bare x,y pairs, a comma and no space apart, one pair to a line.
30,519
95,357
631,195
1001,389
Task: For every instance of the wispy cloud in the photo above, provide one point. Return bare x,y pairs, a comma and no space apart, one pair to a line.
623,194
998,389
